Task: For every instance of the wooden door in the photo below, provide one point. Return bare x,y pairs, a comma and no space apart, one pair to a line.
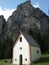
20,60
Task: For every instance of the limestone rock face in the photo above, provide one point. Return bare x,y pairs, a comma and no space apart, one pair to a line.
26,17
3,25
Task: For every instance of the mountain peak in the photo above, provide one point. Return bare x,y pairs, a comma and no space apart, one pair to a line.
28,1
27,17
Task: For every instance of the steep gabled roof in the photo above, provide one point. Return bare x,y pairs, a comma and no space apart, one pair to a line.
30,40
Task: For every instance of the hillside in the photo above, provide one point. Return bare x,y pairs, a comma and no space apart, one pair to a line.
27,19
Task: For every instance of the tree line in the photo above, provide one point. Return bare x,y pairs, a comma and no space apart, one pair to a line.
6,44
43,41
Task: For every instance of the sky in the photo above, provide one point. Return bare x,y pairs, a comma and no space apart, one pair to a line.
8,6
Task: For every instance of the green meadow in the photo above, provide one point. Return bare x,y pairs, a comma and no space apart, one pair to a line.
43,61
4,62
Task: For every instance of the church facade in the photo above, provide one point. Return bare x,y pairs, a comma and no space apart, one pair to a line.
25,50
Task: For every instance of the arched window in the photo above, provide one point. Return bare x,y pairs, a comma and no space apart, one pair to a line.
15,59
37,51
20,39
20,48
25,59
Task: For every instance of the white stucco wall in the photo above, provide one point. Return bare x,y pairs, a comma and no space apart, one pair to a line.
35,55
25,51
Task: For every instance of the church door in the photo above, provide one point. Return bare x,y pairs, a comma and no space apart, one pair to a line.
20,59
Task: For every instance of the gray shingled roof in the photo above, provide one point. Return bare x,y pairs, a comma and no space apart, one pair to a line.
30,40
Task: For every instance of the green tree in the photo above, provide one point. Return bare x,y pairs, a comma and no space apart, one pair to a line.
43,41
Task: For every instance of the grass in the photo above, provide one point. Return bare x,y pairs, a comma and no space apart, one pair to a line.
43,61
3,62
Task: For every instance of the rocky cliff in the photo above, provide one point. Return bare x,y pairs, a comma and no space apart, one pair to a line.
26,17
3,26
